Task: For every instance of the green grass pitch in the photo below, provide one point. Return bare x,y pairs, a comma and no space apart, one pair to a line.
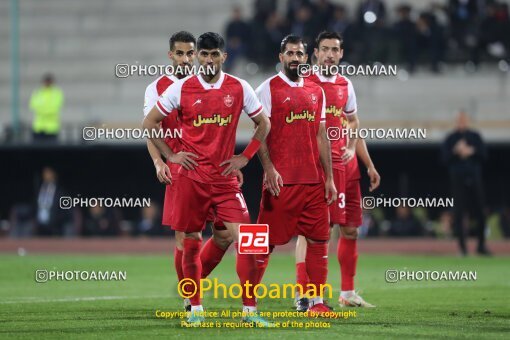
126,309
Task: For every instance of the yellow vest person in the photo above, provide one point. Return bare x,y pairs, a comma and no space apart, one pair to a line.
46,103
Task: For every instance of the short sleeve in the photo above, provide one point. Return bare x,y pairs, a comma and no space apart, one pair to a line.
323,106
264,94
150,99
170,99
351,107
251,104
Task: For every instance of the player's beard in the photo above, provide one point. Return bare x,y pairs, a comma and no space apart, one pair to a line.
292,73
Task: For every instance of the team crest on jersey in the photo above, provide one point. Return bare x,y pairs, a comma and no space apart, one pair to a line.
228,100
340,94
314,98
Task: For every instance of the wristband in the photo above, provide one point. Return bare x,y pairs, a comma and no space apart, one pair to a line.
251,149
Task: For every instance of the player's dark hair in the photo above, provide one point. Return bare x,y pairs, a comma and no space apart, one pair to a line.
182,36
328,35
291,39
210,41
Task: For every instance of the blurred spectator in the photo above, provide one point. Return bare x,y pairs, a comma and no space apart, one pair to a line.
370,226
150,223
102,222
51,219
271,37
305,27
405,224
238,35
463,152
263,9
339,22
370,11
494,32
430,39
406,35
463,15
21,221
46,103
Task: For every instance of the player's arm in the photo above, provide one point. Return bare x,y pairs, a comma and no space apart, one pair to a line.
325,158
255,110
165,106
362,152
325,154
162,170
262,127
272,179
350,110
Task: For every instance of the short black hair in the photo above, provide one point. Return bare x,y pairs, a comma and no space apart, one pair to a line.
291,39
210,41
182,36
328,35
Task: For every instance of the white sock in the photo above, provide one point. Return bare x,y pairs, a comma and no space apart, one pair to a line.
249,309
346,294
198,308
316,300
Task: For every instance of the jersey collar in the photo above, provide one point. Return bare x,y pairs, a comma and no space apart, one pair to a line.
216,85
325,79
290,82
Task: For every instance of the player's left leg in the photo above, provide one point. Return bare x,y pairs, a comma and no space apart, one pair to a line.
314,225
214,249
301,301
231,208
347,250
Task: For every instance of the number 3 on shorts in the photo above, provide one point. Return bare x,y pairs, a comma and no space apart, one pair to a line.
241,199
341,200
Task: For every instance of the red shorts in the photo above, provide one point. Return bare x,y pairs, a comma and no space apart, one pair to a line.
337,208
193,200
300,209
168,206
353,210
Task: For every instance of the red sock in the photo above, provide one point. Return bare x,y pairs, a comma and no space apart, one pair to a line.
210,256
247,271
317,264
261,261
347,257
302,276
178,263
192,267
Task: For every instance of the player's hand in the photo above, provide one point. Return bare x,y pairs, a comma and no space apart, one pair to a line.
347,156
163,172
375,179
235,163
330,193
273,181
185,159
240,177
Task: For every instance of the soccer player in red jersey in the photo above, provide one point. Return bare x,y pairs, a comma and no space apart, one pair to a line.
182,54
209,107
341,114
296,157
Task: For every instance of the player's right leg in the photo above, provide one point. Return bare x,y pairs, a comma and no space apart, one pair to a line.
194,197
179,237
232,210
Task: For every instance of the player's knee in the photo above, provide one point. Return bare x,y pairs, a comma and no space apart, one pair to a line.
222,239
194,236
349,233
179,238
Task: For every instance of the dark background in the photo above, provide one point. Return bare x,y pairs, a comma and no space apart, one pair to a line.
407,170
